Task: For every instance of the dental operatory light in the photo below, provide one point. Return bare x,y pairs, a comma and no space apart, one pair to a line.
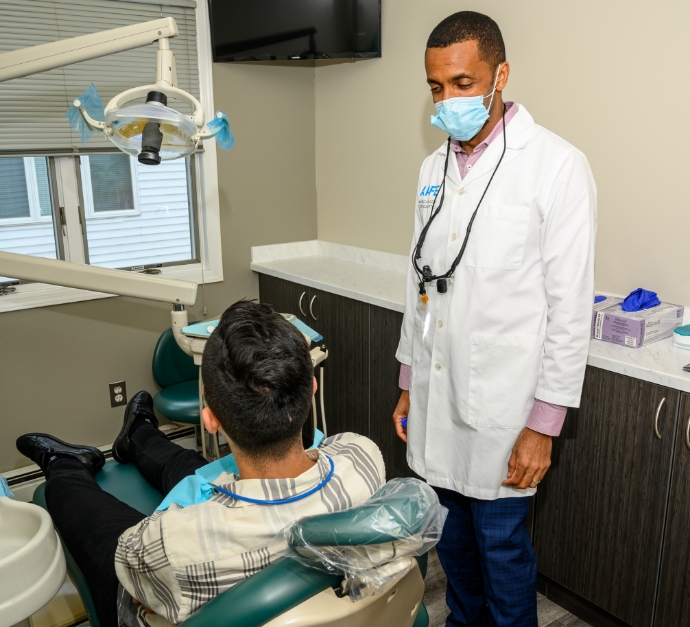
152,131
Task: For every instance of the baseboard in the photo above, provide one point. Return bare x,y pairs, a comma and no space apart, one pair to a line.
575,604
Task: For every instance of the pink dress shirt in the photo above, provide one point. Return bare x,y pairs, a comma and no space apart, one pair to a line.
545,417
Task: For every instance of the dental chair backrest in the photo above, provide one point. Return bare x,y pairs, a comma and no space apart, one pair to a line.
170,365
291,592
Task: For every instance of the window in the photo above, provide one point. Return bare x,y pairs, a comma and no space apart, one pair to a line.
109,185
26,214
137,214
25,186
91,203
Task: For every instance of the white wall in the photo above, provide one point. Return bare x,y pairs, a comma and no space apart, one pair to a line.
606,76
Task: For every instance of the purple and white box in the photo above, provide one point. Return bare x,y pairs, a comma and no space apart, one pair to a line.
637,328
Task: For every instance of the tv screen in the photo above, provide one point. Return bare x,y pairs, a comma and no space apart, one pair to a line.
264,30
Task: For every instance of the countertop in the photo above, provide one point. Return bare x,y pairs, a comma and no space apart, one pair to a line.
366,275
379,279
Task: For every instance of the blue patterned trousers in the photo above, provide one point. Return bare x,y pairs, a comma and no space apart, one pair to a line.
489,561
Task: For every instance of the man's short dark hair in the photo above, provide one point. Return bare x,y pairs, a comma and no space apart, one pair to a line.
258,379
471,26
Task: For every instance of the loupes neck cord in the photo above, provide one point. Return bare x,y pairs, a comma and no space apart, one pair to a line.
425,274
292,499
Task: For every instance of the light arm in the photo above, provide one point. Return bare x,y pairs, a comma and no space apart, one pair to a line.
44,57
85,277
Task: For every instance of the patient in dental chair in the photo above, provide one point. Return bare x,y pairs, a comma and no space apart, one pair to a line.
258,383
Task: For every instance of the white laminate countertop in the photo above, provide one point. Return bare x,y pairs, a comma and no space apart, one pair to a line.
379,279
366,275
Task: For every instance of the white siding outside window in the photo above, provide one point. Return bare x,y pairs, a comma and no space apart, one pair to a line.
26,224
157,229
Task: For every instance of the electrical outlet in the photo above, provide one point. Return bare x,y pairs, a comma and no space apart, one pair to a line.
118,394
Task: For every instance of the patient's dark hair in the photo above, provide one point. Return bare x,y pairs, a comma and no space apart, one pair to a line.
258,379
471,26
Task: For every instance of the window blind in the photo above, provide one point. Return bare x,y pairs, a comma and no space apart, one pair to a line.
32,108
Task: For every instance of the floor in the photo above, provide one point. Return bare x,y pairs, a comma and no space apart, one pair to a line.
550,614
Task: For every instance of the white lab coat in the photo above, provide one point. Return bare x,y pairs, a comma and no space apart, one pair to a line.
515,322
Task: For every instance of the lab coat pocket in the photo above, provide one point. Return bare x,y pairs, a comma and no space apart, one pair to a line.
504,370
498,237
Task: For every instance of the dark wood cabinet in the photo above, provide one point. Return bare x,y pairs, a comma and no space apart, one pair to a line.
344,324
384,390
285,296
673,601
600,511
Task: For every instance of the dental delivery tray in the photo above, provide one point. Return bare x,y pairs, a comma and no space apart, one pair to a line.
203,330
636,328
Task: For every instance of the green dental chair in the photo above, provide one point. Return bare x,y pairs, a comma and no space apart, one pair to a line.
177,376
287,592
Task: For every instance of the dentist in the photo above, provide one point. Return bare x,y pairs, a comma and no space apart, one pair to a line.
496,329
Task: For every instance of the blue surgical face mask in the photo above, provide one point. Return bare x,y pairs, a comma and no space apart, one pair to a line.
462,118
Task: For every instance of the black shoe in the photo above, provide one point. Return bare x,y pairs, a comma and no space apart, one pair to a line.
40,448
140,404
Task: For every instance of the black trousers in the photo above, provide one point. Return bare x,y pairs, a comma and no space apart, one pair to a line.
90,520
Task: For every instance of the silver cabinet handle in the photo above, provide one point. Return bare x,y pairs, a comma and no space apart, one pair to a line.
687,435
656,419
300,304
311,308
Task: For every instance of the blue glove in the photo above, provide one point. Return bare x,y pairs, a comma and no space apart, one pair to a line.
220,129
640,299
94,107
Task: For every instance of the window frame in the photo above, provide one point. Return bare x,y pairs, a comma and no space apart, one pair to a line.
69,215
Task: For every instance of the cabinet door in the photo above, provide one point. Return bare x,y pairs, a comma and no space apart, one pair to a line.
384,394
673,603
600,511
284,296
344,324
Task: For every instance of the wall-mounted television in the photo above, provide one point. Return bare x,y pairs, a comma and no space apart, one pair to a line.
270,30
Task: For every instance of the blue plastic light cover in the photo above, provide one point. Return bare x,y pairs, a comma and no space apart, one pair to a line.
93,104
220,129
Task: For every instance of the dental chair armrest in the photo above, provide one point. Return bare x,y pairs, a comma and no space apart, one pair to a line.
263,596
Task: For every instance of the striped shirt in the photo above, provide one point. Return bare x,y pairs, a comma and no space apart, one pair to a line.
176,561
